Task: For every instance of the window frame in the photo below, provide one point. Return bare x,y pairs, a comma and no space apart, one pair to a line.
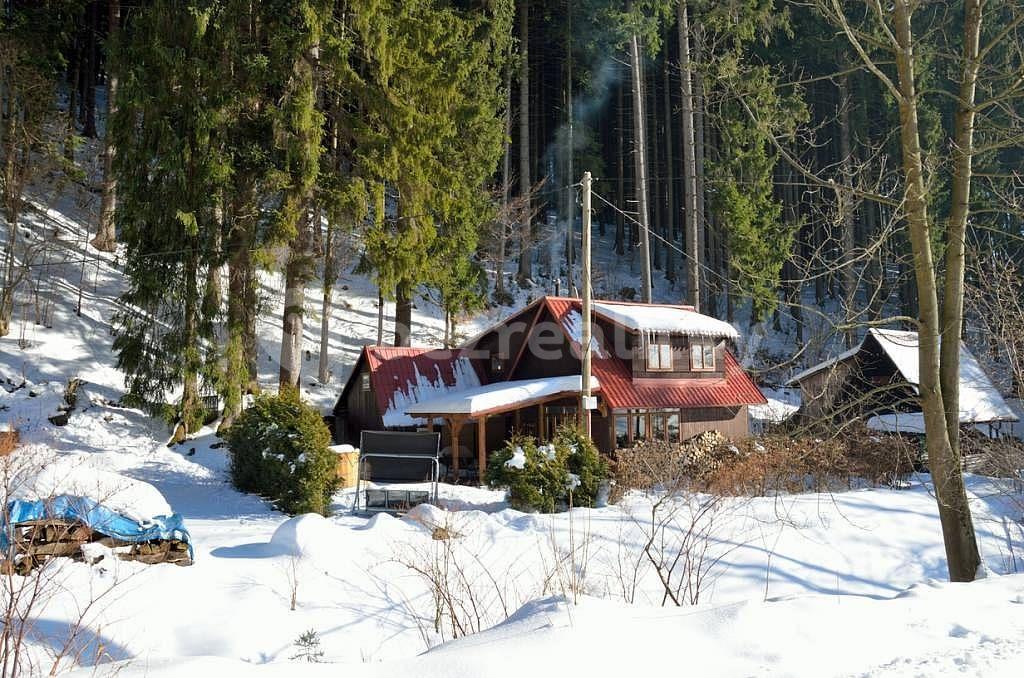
663,350
706,348
364,382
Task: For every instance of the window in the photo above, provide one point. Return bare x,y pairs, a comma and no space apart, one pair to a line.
673,427
702,355
621,431
639,427
365,382
659,355
658,426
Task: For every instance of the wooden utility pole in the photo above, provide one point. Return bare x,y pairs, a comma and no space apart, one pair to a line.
640,157
585,396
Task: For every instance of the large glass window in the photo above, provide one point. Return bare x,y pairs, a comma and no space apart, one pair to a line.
702,355
621,431
639,426
658,425
659,355
673,427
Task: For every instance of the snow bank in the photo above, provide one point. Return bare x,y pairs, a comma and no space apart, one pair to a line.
131,498
663,318
931,629
307,536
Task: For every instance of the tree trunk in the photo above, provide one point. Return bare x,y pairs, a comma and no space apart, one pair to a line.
846,199
699,138
670,186
380,316
962,554
323,372
297,273
956,233
570,178
506,191
620,181
640,160
89,125
403,314
525,235
239,281
689,160
106,238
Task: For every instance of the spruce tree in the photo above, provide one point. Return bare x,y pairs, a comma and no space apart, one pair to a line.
169,168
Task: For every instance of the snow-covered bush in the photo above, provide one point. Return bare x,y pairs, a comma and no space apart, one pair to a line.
279,450
539,478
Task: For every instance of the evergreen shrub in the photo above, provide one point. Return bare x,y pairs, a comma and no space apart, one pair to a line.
540,477
279,450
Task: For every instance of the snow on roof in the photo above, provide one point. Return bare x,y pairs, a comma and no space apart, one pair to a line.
781,405
573,324
980,401
665,318
428,387
842,357
500,394
74,477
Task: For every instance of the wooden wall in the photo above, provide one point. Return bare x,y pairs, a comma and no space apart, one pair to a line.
680,361
360,412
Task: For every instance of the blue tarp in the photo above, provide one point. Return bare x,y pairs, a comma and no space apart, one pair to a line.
95,516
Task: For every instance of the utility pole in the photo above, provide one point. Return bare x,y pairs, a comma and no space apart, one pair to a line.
586,400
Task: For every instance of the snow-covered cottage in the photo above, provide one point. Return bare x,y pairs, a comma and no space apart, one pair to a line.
659,371
878,381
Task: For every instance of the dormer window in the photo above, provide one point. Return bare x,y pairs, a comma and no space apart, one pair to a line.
702,356
659,355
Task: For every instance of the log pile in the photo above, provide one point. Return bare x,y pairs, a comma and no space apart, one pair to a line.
36,541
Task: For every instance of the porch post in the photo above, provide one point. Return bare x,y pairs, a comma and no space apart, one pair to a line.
541,424
455,423
481,446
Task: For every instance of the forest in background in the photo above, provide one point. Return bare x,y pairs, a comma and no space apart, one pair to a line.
781,157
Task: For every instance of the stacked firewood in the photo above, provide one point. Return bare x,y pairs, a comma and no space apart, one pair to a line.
36,541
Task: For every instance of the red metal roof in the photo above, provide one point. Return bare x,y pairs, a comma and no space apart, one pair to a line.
620,391
395,369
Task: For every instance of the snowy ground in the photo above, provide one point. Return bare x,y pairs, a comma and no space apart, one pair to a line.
818,584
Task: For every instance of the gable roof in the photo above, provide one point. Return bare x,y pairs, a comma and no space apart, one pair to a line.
403,376
621,391
980,400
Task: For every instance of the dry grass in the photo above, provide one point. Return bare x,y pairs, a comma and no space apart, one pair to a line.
767,465
8,442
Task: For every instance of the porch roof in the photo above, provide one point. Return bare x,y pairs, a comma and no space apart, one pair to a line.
502,396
